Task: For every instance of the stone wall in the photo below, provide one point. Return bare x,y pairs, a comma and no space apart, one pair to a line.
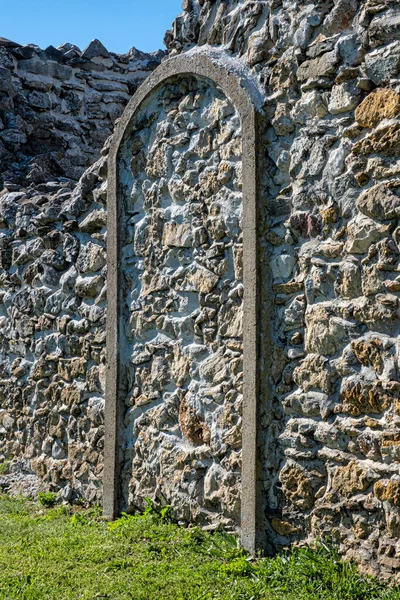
52,336
58,106
330,71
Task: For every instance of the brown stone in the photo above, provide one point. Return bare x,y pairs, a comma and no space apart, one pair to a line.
392,286
288,288
385,141
70,394
329,214
274,239
350,479
388,490
193,427
202,279
362,178
43,368
284,528
360,397
369,353
375,6
383,103
297,485
70,369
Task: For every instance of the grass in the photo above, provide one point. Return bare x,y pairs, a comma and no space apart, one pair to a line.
4,466
66,554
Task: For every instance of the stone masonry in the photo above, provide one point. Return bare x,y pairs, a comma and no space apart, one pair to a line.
329,426
183,265
58,106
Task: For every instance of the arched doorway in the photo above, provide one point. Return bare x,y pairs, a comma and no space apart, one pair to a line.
183,345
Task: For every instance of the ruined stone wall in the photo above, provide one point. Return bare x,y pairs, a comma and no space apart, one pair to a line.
330,70
52,336
58,106
331,75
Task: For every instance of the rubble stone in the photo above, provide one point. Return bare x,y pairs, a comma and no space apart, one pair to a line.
327,79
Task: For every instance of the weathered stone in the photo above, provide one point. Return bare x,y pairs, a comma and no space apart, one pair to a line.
91,258
315,372
360,398
330,214
363,231
70,394
202,279
369,353
380,203
214,368
96,411
39,100
344,97
182,308
385,141
298,487
282,122
94,49
180,367
288,288
388,491
177,234
381,104
383,308
384,27
349,282
95,221
340,18
193,426
54,83
383,63
43,368
351,479
71,369
323,66
376,6
232,321
282,266
284,528
325,333
311,104
89,287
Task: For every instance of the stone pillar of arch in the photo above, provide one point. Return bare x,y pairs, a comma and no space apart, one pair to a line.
184,345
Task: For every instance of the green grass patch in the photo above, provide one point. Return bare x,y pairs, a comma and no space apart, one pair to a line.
65,554
47,499
4,467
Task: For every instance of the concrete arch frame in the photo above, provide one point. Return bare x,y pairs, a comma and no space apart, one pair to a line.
242,91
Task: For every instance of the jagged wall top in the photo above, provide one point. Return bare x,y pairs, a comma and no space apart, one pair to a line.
261,31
